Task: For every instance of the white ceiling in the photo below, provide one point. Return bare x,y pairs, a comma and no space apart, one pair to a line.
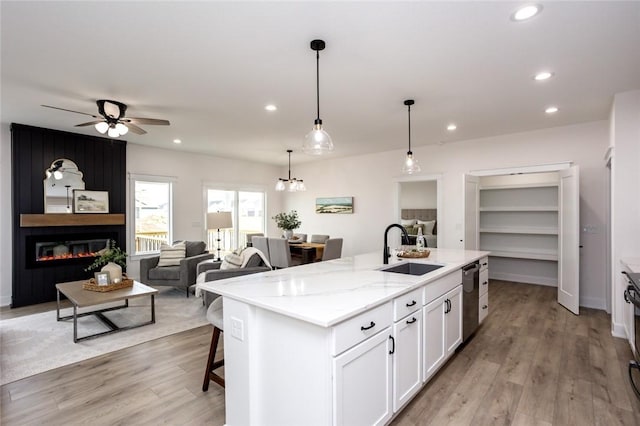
211,67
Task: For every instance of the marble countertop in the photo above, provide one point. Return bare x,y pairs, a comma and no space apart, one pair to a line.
632,263
327,293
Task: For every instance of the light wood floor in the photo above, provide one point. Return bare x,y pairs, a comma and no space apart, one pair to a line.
531,363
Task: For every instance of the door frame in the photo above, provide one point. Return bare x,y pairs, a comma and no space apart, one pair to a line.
421,178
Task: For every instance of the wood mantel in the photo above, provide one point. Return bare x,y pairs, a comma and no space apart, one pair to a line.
70,219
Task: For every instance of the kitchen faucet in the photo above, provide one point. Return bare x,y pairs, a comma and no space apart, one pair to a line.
405,240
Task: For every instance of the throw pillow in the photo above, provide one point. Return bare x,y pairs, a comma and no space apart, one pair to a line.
232,260
427,226
172,255
407,222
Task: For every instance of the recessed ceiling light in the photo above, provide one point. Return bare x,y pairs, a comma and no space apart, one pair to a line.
551,110
271,107
177,141
451,127
526,12
544,75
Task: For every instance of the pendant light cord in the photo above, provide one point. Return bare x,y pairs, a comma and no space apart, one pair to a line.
409,113
318,82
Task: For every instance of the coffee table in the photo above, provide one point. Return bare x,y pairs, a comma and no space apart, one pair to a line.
81,298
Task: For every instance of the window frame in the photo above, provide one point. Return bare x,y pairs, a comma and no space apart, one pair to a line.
133,179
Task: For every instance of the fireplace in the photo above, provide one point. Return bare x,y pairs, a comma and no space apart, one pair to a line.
55,250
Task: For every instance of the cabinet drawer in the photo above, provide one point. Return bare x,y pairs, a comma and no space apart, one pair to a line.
484,263
484,281
407,303
359,328
483,308
437,288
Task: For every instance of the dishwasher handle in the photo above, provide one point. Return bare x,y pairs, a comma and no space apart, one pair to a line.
471,269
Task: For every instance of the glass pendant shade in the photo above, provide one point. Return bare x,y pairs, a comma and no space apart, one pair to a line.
57,175
301,186
317,141
102,127
122,129
280,186
290,184
113,132
410,165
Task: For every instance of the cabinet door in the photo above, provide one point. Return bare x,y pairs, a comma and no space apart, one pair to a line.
362,383
433,336
453,320
407,359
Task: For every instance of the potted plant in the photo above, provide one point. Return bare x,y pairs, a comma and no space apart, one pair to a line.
112,258
288,222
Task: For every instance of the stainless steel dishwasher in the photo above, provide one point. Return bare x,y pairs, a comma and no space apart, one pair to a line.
470,299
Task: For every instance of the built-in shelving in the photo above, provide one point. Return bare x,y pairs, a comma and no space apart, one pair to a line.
71,219
520,230
525,255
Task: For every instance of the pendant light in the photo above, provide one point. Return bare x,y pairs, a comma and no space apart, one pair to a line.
290,184
317,141
410,165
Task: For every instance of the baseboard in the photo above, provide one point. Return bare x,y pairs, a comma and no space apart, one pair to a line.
618,330
5,301
528,279
593,303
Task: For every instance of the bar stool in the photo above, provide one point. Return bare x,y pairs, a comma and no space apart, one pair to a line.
214,316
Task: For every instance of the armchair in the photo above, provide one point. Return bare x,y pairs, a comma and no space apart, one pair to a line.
182,275
211,271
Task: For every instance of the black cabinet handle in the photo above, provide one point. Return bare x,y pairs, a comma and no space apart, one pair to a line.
413,303
412,320
485,283
363,328
393,345
447,304
484,306
485,264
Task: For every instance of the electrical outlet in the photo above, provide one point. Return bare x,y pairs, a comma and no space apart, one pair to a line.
237,328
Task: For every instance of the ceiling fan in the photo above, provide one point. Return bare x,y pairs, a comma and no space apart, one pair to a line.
111,119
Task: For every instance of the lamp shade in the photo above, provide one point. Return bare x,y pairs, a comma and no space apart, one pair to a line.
219,220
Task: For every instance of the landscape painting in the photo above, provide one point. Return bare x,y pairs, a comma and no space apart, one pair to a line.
334,205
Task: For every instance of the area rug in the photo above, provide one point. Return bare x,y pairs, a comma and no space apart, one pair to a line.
36,343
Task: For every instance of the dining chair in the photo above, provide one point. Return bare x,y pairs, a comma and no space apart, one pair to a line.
279,253
250,238
332,249
319,238
262,244
300,237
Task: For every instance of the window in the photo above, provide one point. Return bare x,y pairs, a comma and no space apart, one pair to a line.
247,212
152,201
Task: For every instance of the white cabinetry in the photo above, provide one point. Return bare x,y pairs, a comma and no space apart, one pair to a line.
407,357
442,329
483,307
362,383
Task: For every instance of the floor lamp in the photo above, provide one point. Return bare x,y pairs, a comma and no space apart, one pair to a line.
219,220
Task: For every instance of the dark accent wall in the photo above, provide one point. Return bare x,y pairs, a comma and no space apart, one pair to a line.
103,163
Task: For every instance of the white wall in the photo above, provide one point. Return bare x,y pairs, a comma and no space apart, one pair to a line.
370,180
6,232
625,178
419,195
192,172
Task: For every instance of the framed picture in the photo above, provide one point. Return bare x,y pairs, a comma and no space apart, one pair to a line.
334,205
102,278
90,201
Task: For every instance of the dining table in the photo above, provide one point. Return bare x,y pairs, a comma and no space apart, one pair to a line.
309,252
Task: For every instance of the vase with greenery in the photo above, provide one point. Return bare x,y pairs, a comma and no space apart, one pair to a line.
288,222
110,254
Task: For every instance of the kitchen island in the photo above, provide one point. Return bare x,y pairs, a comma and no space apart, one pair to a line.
337,342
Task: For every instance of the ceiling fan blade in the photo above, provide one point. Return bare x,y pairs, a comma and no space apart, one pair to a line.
135,129
69,110
90,123
153,121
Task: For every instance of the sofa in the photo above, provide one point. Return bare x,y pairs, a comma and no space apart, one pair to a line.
182,275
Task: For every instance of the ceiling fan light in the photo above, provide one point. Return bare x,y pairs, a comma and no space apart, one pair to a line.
57,174
122,129
113,132
102,127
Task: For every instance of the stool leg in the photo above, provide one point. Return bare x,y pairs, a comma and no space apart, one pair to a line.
210,364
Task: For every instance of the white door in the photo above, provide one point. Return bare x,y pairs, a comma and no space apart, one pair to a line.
453,320
407,359
362,383
471,214
433,339
569,240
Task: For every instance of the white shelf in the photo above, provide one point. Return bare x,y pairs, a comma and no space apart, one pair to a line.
519,209
523,255
517,186
520,230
